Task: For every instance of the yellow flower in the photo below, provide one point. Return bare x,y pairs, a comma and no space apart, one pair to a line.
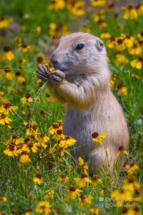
25,48
105,35
7,73
53,129
10,150
28,211
99,15
83,165
63,151
135,49
49,66
96,180
119,27
63,179
120,45
73,192
101,24
128,40
111,43
30,146
43,138
6,108
22,61
19,77
37,179
24,158
38,31
94,211
81,182
78,8
4,119
50,195
50,99
130,12
43,207
7,54
139,9
3,198
67,141
37,99
56,4
4,22
136,76
85,201
130,184
132,211
23,28
138,63
140,36
85,28
98,2
121,149
122,90
17,41
27,97
131,167
59,135
120,59
121,196
97,137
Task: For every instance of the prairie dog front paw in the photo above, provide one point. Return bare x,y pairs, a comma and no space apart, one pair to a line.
57,76
43,72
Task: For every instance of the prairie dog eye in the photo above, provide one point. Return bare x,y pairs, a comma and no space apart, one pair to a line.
79,46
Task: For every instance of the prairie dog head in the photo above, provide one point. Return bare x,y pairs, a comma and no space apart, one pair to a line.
79,53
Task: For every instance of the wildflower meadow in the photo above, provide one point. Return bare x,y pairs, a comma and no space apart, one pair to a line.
37,175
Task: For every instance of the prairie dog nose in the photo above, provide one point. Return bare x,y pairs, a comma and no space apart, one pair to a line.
54,60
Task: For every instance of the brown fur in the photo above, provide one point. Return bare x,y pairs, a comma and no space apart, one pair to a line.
82,80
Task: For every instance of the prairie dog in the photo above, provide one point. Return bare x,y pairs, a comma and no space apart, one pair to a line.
82,80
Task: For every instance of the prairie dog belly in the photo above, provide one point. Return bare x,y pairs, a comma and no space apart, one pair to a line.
79,125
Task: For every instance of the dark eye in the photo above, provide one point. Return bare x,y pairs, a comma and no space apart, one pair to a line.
79,46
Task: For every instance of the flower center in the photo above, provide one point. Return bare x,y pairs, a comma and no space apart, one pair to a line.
42,135
7,69
82,196
40,59
39,176
55,125
119,86
120,41
28,210
7,105
95,134
30,144
140,57
27,95
24,153
67,138
83,175
72,188
34,127
3,116
24,46
18,73
6,48
19,146
59,132
130,7
112,39
121,148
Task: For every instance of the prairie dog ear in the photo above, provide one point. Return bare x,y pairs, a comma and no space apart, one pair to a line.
99,44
